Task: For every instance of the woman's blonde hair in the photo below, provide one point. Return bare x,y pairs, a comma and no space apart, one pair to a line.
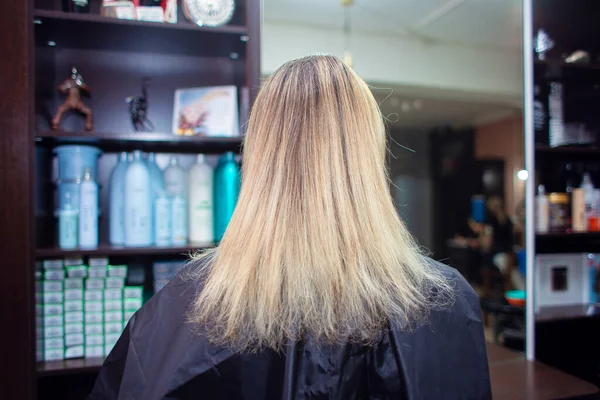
315,245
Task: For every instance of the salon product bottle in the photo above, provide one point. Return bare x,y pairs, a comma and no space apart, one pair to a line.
226,191
162,219
138,203
156,183
594,220
542,212
67,225
88,211
179,232
116,202
589,199
578,220
200,207
175,179
76,6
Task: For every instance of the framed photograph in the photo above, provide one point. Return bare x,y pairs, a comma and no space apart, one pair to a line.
562,279
206,111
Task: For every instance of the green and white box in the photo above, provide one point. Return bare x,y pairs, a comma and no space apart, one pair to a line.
113,294
54,274
94,340
73,305
94,351
113,328
94,284
132,304
54,354
79,271
119,271
113,305
52,264
113,316
54,343
53,320
74,352
94,318
94,295
74,317
98,262
98,272
93,307
52,286
74,339
53,309
94,329
115,282
133,292
73,294
54,332
75,327
74,283
73,261
53,297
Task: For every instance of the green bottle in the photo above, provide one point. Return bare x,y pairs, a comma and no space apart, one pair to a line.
227,189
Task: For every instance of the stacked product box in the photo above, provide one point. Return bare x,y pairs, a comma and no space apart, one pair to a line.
84,307
164,271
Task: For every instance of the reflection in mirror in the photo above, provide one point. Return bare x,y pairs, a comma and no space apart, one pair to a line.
448,76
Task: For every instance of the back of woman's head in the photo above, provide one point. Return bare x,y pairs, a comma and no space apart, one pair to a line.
315,246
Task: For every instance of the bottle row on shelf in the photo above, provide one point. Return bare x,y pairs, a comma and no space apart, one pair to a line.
146,205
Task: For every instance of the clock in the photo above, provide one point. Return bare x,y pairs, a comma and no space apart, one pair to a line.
209,12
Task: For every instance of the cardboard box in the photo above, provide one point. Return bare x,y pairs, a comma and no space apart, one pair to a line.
53,320
115,283
74,294
54,274
53,309
94,318
113,305
74,339
133,292
74,352
73,261
132,304
74,283
113,328
73,305
94,295
113,316
113,294
94,329
79,271
94,351
94,284
54,343
74,317
93,307
53,297
52,264
97,272
53,332
112,338
54,354
52,286
98,261
74,327
94,340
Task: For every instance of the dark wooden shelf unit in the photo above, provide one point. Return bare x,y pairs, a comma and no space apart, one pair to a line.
567,150
147,141
573,235
108,250
557,63
67,367
95,32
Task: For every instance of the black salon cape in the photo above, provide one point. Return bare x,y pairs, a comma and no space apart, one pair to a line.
160,356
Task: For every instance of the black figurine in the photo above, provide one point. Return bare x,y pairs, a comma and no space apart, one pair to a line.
138,108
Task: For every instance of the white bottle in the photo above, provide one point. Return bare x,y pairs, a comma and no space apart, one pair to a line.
162,219
175,179
88,212
138,203
200,203
179,232
116,202
542,211
590,198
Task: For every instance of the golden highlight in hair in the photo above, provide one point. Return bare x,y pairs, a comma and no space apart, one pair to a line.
315,246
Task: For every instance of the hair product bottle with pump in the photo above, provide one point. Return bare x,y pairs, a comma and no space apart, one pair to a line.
200,211
157,184
542,211
138,203
88,211
116,202
226,191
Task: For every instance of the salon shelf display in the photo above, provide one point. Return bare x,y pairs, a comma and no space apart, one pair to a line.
108,250
66,367
147,141
72,30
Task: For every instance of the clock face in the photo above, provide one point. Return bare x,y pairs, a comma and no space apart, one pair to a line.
209,12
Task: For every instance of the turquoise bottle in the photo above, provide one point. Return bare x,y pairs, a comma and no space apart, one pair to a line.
226,191
116,202
157,186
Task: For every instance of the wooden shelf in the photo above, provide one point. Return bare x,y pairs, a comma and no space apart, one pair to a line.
574,150
108,250
67,367
93,31
553,63
574,235
164,142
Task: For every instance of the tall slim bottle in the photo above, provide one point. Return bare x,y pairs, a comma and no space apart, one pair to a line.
116,202
175,179
200,203
88,212
226,191
138,203
157,185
